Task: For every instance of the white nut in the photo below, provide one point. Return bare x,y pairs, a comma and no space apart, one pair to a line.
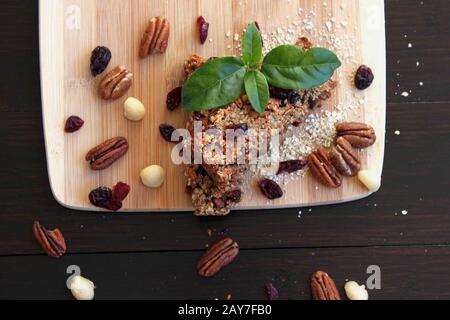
134,110
354,291
370,179
82,288
153,176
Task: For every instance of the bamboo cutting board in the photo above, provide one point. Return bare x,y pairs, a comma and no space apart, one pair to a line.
71,29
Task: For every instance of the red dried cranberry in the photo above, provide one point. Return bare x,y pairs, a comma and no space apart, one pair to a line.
121,191
270,189
166,131
73,124
100,196
106,198
291,166
219,203
271,292
234,196
174,99
364,77
203,28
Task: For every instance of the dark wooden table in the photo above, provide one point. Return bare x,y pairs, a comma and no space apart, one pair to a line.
148,256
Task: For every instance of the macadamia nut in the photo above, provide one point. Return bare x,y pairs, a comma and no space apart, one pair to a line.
153,176
354,291
134,110
370,179
82,288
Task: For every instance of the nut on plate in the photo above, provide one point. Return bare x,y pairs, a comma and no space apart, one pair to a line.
344,158
105,154
155,38
360,135
153,176
115,83
82,289
218,256
354,291
322,169
370,179
52,242
134,110
323,287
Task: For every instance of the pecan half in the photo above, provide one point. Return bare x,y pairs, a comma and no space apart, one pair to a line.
322,169
344,158
359,135
105,154
155,38
323,287
217,257
115,83
52,242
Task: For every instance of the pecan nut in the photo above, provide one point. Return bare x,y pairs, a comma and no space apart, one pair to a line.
155,38
105,154
360,135
323,287
52,242
345,158
218,256
115,83
322,169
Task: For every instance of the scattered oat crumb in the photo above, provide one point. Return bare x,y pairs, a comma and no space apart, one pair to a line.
229,297
404,212
405,94
421,83
410,45
397,133
209,233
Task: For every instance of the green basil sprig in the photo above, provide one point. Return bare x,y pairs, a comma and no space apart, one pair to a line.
223,80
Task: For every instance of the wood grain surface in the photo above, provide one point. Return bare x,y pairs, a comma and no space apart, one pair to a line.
118,251
70,29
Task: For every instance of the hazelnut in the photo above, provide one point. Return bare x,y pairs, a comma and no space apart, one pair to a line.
370,179
354,291
82,288
134,109
153,176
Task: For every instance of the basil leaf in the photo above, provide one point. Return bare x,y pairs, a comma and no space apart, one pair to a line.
252,50
288,67
257,90
217,83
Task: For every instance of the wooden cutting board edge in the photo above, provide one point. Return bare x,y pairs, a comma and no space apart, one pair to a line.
55,163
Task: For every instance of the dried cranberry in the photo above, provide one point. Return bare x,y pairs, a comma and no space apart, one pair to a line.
121,191
73,124
113,204
174,99
312,102
270,189
203,28
219,203
201,171
241,126
271,292
364,77
234,196
166,131
106,198
101,56
291,96
291,166
100,196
